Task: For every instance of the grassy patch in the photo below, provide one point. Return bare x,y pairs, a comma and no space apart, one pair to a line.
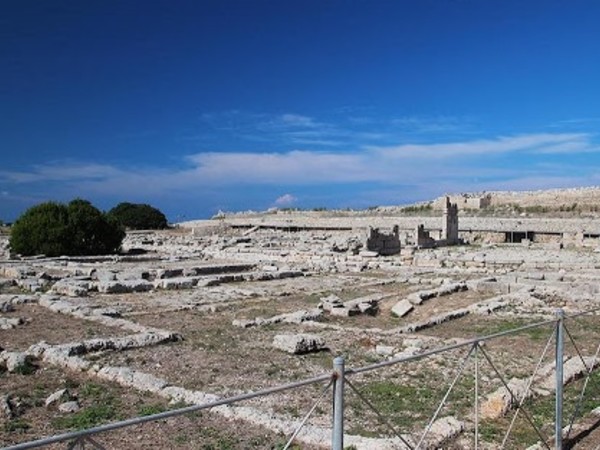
501,325
148,410
16,426
86,418
99,406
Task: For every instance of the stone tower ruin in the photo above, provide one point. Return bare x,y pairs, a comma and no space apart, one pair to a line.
450,223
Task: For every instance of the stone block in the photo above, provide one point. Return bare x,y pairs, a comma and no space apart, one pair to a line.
298,344
402,308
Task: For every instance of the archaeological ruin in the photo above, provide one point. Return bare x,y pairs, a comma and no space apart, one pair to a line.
215,309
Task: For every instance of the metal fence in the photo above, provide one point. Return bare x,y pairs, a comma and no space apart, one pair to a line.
338,383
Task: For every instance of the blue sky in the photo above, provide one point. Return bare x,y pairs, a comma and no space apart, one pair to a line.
196,106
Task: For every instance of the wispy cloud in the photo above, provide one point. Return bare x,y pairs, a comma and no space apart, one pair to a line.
419,171
297,120
433,124
532,143
62,171
577,122
291,129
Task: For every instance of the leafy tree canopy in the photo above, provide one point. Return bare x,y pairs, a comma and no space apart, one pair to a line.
138,216
55,229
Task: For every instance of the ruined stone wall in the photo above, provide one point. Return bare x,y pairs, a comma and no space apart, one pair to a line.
422,237
482,237
383,243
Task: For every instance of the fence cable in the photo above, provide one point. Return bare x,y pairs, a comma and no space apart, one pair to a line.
379,415
443,402
299,428
514,398
576,348
530,382
476,357
582,393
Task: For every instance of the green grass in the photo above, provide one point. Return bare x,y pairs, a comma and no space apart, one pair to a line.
16,426
102,406
148,410
26,369
486,328
88,417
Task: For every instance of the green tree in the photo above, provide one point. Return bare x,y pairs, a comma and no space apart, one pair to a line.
138,216
55,229
93,232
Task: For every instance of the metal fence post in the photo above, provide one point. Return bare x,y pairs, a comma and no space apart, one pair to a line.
337,438
560,314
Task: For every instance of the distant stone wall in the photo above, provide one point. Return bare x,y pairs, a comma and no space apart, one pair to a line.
551,198
464,201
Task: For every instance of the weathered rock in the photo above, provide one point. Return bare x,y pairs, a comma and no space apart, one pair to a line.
6,408
132,274
121,287
6,307
299,343
343,311
8,323
385,350
500,401
104,276
61,395
294,317
69,407
71,289
15,361
402,308
445,429
176,283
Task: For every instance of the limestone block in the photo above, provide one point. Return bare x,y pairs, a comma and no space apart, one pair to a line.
15,361
59,396
445,429
243,323
71,289
385,350
104,275
303,316
8,323
299,343
499,402
120,287
402,308
69,407
370,308
132,274
342,311
31,284
169,273
176,283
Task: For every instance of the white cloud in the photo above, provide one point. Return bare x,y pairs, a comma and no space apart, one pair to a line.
436,165
433,124
62,172
297,120
532,143
285,200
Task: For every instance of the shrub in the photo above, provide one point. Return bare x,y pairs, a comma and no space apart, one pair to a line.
138,216
55,229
